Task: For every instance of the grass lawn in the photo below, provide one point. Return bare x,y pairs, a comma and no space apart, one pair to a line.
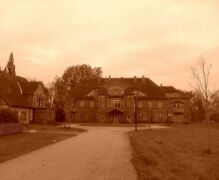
111,124
40,127
176,153
12,146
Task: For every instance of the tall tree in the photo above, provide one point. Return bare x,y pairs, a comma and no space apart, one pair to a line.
215,106
201,75
80,73
10,68
197,107
71,77
57,90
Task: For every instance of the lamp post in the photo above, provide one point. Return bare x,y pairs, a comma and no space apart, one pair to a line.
67,105
135,109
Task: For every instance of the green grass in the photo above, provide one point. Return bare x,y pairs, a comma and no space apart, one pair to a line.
12,146
176,153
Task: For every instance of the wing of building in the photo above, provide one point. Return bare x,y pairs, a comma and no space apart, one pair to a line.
28,99
126,99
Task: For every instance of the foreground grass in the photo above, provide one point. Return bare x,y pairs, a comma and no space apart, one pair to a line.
12,146
110,124
176,153
56,128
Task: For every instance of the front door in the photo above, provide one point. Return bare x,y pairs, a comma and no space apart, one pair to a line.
116,118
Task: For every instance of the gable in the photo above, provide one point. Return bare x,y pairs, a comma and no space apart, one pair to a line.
116,91
40,91
144,86
3,102
12,94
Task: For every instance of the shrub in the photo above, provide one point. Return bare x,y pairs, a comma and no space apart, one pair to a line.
8,116
215,117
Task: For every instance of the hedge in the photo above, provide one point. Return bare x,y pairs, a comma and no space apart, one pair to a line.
8,116
10,128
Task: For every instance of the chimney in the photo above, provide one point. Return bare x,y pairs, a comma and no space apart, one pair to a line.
143,79
98,80
135,79
161,85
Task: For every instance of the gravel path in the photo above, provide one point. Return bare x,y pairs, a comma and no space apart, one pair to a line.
101,153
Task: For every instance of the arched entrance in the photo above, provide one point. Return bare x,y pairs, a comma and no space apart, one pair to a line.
116,115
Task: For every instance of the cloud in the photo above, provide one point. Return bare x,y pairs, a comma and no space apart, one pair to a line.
158,39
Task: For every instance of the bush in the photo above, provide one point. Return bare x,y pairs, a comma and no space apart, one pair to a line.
8,116
60,115
215,117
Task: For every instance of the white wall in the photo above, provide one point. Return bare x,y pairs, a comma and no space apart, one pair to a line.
28,114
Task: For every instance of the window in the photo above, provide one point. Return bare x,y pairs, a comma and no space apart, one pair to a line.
160,105
82,104
102,102
109,103
140,105
73,104
129,101
178,105
23,116
140,116
115,103
91,104
160,116
82,116
150,104
115,91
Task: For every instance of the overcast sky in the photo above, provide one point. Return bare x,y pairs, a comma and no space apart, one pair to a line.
159,39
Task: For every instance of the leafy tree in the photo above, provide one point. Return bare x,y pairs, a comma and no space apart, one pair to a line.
57,91
10,68
215,100
80,73
8,116
215,106
61,86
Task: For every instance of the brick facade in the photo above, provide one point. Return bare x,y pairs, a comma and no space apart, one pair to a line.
123,99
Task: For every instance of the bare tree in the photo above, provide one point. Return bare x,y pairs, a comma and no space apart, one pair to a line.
201,74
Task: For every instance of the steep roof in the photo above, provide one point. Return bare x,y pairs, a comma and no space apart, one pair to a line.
182,94
28,88
170,89
145,85
11,91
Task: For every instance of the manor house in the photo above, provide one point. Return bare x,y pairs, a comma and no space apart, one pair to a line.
125,100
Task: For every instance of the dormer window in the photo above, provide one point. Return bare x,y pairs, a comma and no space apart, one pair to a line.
140,104
39,102
82,104
178,107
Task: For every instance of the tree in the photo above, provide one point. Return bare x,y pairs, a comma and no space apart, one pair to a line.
4,87
80,73
215,106
197,107
215,100
10,68
201,74
71,77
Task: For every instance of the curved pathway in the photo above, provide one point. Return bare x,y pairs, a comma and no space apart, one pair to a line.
101,153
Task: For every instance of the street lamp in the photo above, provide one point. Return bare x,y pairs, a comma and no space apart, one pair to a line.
135,98
67,105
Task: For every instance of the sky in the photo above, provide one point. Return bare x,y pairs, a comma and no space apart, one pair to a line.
160,39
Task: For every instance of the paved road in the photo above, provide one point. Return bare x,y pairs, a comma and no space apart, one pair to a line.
101,153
